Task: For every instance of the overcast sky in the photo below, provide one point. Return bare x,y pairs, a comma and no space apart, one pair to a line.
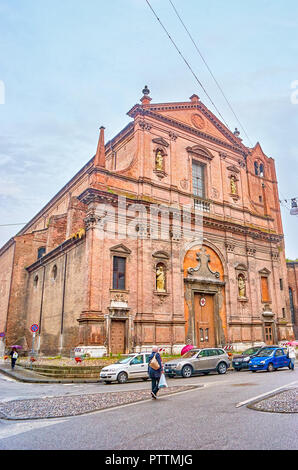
69,67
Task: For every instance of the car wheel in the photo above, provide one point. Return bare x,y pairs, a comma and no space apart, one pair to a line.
270,367
187,372
222,368
122,377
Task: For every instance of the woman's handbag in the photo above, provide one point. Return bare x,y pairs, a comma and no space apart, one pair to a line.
154,363
162,381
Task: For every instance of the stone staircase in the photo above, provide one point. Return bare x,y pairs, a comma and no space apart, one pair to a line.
66,372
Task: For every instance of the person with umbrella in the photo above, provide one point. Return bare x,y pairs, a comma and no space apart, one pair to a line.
14,356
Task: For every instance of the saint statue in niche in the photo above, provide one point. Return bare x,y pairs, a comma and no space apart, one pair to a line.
159,161
233,185
241,286
160,279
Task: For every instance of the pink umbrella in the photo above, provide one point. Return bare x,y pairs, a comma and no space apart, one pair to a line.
293,343
16,346
186,348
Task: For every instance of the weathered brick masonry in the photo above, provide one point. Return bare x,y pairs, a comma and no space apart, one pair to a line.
224,284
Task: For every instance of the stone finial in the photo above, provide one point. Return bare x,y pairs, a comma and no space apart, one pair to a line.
146,98
194,98
100,157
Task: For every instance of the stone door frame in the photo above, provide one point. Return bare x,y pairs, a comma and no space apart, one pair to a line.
119,315
195,286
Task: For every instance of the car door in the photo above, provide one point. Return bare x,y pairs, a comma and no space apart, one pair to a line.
137,367
202,361
277,358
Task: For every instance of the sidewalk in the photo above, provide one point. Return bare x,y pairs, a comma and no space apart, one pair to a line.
30,376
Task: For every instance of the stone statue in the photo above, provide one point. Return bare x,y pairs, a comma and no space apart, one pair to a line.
159,161
241,286
160,279
233,185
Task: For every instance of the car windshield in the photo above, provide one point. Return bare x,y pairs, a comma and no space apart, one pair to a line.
250,351
191,353
124,360
266,352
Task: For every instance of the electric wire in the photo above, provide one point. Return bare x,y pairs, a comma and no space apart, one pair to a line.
210,71
186,62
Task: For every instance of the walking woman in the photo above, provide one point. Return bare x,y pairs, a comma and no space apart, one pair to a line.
155,369
13,355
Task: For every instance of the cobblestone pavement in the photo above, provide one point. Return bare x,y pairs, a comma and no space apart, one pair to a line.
58,407
283,402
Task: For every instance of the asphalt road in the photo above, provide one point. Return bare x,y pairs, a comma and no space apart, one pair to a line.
214,417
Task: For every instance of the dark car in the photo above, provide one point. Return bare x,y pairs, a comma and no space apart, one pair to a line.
241,361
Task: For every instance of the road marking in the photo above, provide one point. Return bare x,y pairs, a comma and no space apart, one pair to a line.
264,394
9,430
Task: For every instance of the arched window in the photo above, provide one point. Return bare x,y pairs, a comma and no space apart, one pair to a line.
41,252
35,281
259,169
54,272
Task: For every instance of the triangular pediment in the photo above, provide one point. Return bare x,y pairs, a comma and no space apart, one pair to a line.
120,249
160,141
197,117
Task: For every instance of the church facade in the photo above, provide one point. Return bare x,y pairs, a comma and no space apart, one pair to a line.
170,234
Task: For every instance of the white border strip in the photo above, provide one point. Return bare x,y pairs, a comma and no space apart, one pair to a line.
264,394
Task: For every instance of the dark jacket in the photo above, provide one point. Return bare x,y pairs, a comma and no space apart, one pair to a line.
153,372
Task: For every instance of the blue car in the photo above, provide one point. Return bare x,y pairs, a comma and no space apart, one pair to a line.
269,358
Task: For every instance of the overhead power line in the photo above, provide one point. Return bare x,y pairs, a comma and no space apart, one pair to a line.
210,71
186,62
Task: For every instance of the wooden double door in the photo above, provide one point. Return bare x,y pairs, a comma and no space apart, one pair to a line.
204,320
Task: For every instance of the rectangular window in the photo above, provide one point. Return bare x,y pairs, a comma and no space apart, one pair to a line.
119,265
198,179
281,284
284,313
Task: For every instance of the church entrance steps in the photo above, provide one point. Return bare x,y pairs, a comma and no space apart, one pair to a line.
89,372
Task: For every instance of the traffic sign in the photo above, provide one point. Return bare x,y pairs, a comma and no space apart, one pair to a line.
34,328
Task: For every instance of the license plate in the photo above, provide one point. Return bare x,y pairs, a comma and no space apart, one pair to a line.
237,363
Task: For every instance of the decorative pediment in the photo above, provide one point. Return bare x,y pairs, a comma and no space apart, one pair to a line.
233,169
160,141
264,272
162,255
203,270
241,267
200,152
120,249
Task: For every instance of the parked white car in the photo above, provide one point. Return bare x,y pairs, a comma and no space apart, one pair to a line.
133,366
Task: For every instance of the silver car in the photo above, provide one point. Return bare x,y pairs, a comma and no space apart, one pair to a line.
133,366
198,361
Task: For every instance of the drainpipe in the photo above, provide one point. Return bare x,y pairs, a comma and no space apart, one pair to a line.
41,306
63,302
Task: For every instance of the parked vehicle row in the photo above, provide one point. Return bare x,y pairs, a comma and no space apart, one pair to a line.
197,361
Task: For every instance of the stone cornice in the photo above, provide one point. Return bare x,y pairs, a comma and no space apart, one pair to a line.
94,195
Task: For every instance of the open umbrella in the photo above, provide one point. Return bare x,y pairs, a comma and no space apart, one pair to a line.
186,348
293,343
16,346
